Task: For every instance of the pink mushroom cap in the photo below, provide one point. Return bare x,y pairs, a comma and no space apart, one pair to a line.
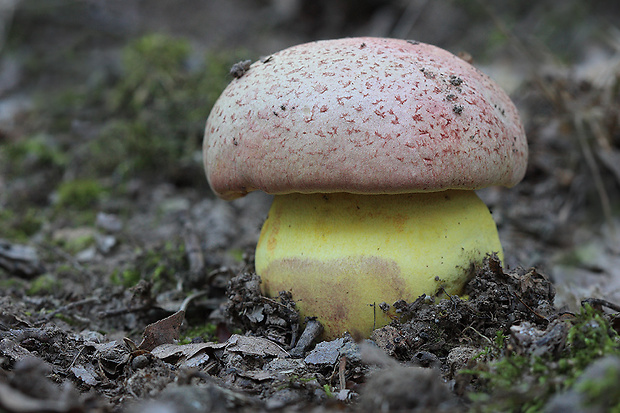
366,116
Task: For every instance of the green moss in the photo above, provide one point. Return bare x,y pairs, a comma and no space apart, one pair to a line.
78,244
30,222
161,265
37,151
154,56
75,240
146,116
12,283
205,332
236,254
159,105
127,278
590,338
44,284
79,194
20,225
66,318
524,382
603,391
586,255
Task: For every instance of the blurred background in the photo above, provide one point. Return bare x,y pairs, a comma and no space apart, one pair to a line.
103,104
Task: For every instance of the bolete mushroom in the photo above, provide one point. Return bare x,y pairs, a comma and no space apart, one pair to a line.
373,148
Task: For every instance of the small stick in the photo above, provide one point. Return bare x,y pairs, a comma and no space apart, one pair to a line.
598,302
530,308
313,330
189,299
193,251
123,311
341,371
69,306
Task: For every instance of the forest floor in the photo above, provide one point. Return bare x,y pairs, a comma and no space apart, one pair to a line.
126,285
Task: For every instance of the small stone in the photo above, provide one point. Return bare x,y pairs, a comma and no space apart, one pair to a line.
86,255
459,357
139,362
105,243
108,222
325,353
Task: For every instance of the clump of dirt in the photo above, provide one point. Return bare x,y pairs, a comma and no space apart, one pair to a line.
249,310
408,389
429,330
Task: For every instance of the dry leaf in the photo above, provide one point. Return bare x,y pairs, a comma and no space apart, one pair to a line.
256,346
168,351
165,331
86,374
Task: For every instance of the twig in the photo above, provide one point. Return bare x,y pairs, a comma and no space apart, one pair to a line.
192,249
121,311
69,306
189,299
598,302
479,333
578,121
529,308
312,331
75,358
341,370
272,301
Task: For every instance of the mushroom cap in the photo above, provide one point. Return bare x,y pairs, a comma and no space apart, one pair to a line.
362,115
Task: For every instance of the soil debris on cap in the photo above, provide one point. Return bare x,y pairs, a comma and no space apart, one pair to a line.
240,68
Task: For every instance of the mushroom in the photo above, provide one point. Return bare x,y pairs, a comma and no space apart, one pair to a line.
373,148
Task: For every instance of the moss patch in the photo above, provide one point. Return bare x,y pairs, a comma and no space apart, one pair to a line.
521,380
205,333
44,284
163,266
157,105
79,194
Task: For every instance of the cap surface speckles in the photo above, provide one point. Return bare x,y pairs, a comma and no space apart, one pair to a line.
362,115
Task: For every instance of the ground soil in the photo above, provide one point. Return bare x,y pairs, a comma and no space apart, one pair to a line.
75,338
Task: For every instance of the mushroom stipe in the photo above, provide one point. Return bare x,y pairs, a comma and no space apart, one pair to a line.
341,254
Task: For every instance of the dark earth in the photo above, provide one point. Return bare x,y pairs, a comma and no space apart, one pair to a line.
126,285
